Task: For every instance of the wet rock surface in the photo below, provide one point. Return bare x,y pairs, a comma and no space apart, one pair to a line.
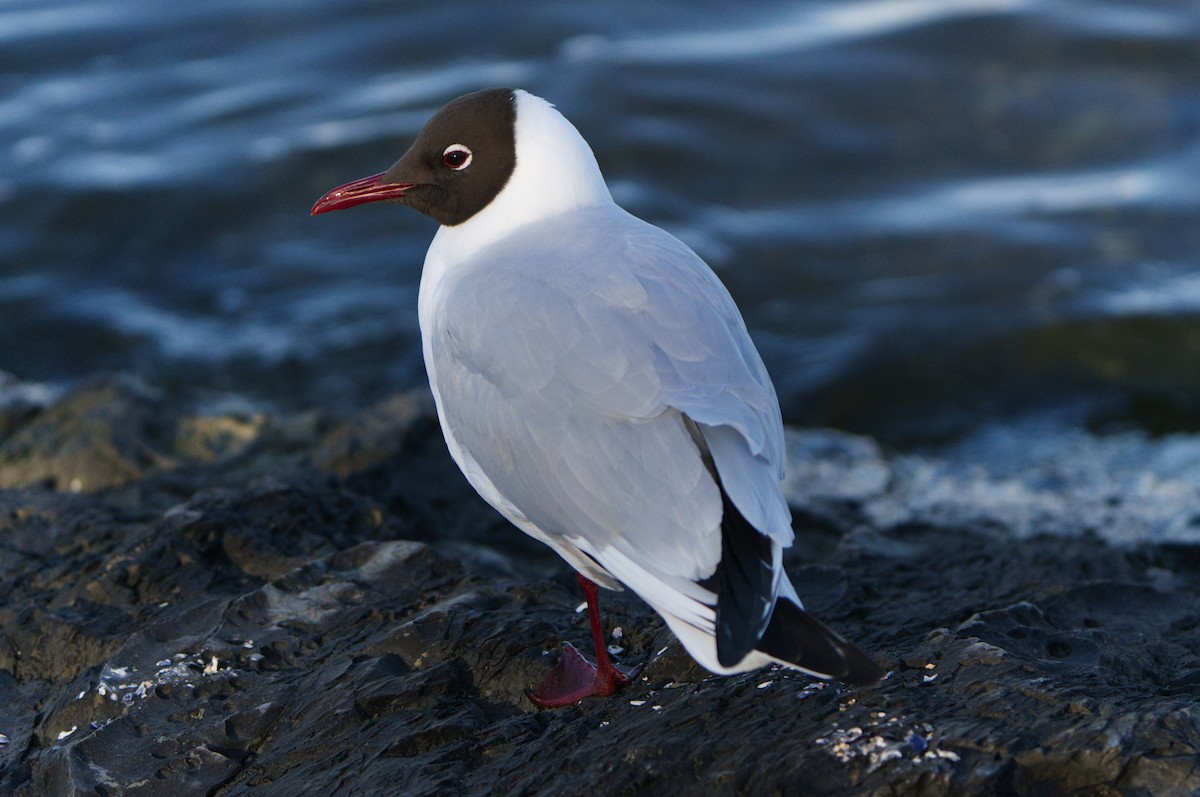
237,604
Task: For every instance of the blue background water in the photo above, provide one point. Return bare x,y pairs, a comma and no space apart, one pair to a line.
932,212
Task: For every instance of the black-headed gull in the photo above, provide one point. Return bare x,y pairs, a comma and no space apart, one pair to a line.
596,384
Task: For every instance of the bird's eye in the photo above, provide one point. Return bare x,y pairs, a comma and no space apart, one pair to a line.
457,157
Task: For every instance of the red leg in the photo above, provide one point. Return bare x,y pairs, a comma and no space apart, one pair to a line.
575,677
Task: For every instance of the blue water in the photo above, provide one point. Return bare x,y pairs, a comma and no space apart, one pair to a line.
932,212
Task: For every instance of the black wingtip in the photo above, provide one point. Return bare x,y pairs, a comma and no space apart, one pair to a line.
748,616
745,581
795,636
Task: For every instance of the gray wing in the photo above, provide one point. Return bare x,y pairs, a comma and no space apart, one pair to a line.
565,368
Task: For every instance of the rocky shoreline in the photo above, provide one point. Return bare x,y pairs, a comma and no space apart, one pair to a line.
233,603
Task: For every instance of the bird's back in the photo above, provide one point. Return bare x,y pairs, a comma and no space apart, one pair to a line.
565,360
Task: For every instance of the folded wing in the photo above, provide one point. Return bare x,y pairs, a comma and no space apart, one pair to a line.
577,373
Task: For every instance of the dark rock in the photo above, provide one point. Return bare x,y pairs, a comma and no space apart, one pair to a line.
312,608
377,434
20,401
105,433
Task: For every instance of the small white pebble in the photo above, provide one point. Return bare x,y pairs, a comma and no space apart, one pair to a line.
930,666
637,702
615,650
656,708
765,684
579,609
102,690
212,667
80,695
664,650
76,485
3,740
929,678
65,734
604,724
163,663
617,633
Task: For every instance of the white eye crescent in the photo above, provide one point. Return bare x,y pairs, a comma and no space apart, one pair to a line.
456,157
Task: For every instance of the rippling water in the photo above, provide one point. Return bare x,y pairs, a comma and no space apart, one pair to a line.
930,211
